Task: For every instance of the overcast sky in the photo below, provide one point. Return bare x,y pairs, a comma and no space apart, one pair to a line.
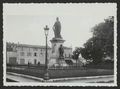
24,23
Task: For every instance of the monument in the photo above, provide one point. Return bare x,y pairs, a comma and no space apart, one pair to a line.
57,41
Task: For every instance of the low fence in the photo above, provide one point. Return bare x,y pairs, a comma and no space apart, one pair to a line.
42,67
26,66
101,66
70,67
66,67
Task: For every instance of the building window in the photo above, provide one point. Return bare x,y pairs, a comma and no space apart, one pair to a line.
22,54
35,54
65,55
35,49
12,60
28,54
35,61
21,48
69,55
29,49
22,61
41,52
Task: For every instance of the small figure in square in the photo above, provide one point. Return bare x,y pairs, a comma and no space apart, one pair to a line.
61,51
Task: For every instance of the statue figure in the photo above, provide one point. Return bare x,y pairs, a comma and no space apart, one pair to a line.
61,51
57,28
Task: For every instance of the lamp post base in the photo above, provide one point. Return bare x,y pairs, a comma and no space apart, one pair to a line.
46,76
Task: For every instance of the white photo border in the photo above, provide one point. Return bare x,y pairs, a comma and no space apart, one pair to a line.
63,84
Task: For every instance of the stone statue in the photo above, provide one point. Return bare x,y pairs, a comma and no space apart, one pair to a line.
61,51
57,28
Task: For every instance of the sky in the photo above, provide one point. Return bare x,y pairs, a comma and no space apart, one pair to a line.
24,23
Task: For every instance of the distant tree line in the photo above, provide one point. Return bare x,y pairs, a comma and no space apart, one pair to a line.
101,44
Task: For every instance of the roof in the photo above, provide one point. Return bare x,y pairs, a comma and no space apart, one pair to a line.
32,46
27,45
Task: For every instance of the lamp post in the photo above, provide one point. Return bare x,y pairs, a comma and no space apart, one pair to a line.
46,75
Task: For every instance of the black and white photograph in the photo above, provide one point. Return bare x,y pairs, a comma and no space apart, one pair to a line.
59,44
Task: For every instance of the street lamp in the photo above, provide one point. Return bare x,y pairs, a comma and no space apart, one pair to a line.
46,75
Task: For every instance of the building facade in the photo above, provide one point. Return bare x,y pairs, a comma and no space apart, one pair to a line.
23,53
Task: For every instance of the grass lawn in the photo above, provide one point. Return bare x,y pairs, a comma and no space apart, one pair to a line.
78,73
62,73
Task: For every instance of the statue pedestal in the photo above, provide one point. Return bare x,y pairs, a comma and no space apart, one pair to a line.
55,60
61,62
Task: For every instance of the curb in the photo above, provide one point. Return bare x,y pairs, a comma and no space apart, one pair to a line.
59,79
79,78
27,76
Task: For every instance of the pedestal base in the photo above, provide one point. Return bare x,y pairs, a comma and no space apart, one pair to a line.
55,60
62,62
